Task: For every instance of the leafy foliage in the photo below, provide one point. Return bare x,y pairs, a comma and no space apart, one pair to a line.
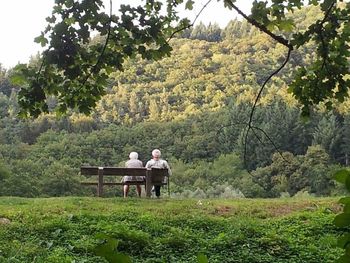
75,70
66,230
107,250
342,220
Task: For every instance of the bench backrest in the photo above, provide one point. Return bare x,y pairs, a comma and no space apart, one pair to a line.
93,170
158,175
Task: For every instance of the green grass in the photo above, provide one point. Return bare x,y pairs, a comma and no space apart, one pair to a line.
65,229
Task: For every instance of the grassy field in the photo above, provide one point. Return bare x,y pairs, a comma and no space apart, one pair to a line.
247,230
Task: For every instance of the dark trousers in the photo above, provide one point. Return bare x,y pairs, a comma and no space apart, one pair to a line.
157,190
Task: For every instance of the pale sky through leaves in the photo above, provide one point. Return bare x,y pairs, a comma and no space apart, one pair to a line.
23,20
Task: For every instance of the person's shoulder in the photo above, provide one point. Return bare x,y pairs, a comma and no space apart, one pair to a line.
149,162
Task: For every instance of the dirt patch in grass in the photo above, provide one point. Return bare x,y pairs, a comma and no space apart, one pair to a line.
270,209
281,210
222,210
285,209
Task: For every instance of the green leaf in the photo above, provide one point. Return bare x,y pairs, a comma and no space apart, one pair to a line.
286,25
108,250
69,3
69,21
345,200
189,4
41,40
341,175
51,19
313,2
202,258
342,220
347,183
344,241
343,259
18,80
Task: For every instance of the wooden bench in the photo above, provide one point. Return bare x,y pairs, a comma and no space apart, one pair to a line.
152,176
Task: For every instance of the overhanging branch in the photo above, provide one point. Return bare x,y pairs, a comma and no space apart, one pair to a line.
263,28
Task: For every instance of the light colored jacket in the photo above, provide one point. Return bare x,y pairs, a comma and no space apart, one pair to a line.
162,164
133,163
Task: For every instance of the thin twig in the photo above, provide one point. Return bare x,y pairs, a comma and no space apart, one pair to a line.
104,47
264,84
280,40
252,128
259,139
325,48
271,141
258,98
245,143
190,25
327,13
41,65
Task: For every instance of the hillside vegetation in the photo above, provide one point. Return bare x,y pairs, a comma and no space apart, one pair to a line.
194,106
70,229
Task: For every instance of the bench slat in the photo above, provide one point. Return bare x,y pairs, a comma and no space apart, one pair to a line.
115,171
131,183
89,170
113,183
124,171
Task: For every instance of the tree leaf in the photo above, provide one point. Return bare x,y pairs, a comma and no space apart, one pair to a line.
344,241
343,259
189,4
341,175
286,25
347,183
345,200
342,220
202,258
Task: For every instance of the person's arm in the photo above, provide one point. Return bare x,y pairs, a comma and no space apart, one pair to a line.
126,165
168,167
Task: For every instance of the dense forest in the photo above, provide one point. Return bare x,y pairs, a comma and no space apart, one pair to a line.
194,106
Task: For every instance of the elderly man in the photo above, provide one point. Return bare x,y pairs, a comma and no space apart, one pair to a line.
156,162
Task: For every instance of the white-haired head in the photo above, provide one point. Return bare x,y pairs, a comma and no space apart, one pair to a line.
133,155
156,153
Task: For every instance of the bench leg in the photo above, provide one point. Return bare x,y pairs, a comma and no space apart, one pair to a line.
100,183
168,187
148,184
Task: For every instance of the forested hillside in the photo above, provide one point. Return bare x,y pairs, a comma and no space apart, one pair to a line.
194,106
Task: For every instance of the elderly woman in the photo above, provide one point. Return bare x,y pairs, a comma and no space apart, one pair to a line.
156,162
132,163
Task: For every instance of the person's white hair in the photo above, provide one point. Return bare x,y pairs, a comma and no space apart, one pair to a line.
156,153
134,155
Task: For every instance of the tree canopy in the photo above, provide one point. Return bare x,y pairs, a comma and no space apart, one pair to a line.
74,69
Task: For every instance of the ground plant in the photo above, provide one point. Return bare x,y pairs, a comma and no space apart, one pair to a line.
81,229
